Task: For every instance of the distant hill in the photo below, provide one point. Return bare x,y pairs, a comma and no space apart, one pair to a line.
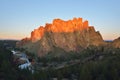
108,40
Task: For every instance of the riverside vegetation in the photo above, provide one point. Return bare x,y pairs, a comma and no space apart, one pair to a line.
93,63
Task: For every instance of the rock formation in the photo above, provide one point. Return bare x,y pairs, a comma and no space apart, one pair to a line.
37,34
71,35
116,43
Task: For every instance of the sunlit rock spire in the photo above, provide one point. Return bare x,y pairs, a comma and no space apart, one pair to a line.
59,25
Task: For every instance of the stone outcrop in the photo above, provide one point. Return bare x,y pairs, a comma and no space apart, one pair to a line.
71,35
37,34
59,25
116,43
23,42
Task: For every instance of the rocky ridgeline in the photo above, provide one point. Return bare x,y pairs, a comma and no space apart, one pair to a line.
71,35
59,26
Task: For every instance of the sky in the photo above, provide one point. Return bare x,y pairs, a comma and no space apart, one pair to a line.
19,17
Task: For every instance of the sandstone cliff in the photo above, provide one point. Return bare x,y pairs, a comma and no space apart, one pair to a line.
71,35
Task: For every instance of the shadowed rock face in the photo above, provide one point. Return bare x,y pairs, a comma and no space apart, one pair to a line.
71,35
116,43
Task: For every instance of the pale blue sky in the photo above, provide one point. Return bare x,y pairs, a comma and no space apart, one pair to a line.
19,17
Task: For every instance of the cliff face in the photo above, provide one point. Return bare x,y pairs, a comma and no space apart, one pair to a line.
37,34
71,35
59,26
116,43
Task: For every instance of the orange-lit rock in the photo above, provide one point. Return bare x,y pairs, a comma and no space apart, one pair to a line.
85,24
59,25
70,35
37,34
